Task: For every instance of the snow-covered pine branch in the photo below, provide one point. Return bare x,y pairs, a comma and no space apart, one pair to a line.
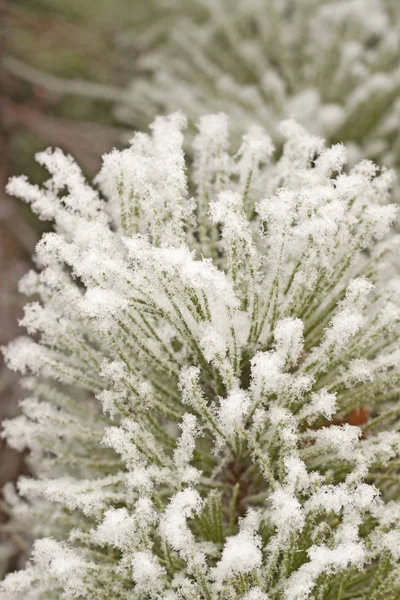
213,374
331,64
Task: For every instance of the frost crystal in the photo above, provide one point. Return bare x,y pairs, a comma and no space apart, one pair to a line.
212,380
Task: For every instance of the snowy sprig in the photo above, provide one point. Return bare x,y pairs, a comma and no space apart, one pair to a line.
213,374
331,64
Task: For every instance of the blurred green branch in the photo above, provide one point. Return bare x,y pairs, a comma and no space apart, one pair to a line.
78,87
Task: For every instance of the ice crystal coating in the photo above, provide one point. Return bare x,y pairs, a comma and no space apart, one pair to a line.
212,375
333,65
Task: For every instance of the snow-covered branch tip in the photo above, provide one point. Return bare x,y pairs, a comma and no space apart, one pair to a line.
212,373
